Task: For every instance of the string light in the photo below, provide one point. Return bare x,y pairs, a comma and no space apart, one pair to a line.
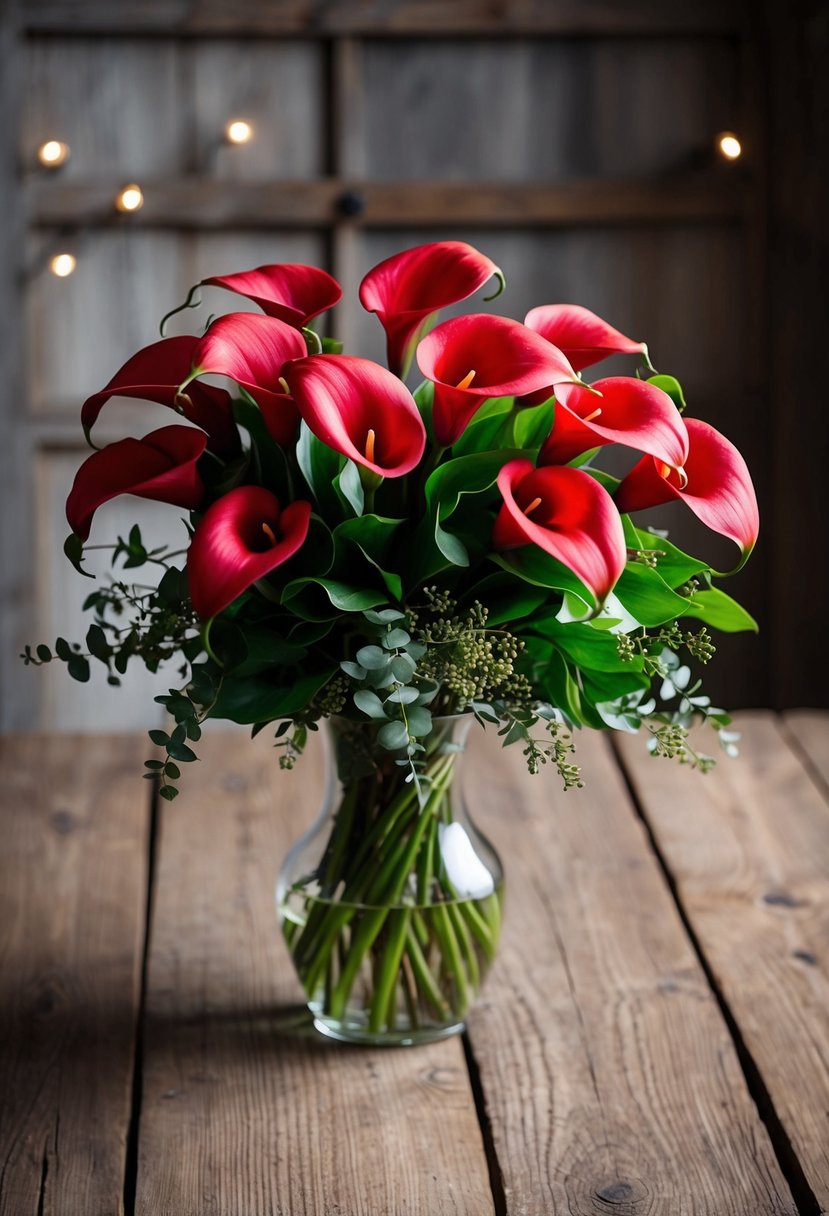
131,198
63,264
729,146
53,153
238,131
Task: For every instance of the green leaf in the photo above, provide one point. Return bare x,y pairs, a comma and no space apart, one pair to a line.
320,465
169,792
373,658
533,424
332,346
403,667
271,461
351,487
395,638
369,703
719,611
180,751
419,720
78,668
508,598
393,736
452,548
97,644
159,737
405,695
262,700
590,649
674,566
534,566
341,596
486,429
386,616
353,669
173,588
172,770
73,548
374,537
464,475
647,597
671,386
44,653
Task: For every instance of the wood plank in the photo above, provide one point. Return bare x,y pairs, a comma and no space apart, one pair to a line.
808,732
197,202
610,1078
748,848
16,532
245,1108
378,17
73,884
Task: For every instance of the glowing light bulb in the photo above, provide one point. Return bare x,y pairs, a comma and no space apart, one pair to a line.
238,131
729,146
53,153
63,264
131,198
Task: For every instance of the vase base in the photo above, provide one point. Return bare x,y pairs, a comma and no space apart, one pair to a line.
345,1032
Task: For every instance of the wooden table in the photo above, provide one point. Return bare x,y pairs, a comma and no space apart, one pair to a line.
654,1038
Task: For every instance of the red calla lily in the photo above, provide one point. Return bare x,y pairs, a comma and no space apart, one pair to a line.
242,537
360,409
627,411
582,336
719,489
253,351
407,289
154,374
291,292
161,466
566,513
479,356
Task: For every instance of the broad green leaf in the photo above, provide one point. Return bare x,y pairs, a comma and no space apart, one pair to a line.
369,703
719,610
590,649
534,566
507,598
647,596
453,549
487,429
464,475
374,537
351,487
320,465
260,700
532,425
341,596
671,386
674,566
270,460
393,736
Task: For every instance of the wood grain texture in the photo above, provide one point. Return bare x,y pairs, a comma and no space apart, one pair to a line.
610,1079
402,17
244,1108
73,883
16,531
194,202
748,848
808,732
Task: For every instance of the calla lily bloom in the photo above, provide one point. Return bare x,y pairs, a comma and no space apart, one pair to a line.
405,291
253,351
291,292
719,489
154,374
161,466
360,409
566,513
242,537
626,410
583,337
479,356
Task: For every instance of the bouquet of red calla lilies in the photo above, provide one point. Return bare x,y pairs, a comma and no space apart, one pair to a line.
361,548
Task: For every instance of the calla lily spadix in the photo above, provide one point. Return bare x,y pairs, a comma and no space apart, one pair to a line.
408,289
719,489
619,409
359,409
161,466
479,356
583,337
253,350
289,291
566,513
154,374
243,537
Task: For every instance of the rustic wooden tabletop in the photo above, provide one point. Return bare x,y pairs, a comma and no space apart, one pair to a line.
654,1038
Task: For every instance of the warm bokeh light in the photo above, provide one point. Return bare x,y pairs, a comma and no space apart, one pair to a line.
53,153
729,146
131,198
63,264
238,131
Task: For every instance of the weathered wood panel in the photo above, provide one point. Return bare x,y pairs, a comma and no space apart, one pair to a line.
145,108
16,529
610,1078
404,17
72,914
535,110
244,1108
809,735
748,849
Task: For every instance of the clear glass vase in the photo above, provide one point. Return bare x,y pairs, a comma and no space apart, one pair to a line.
391,903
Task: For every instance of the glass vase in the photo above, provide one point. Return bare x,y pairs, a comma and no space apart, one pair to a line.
390,904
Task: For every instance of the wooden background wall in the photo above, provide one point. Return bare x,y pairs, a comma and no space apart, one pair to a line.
570,141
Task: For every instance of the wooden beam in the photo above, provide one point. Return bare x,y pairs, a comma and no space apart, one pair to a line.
402,18
199,203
